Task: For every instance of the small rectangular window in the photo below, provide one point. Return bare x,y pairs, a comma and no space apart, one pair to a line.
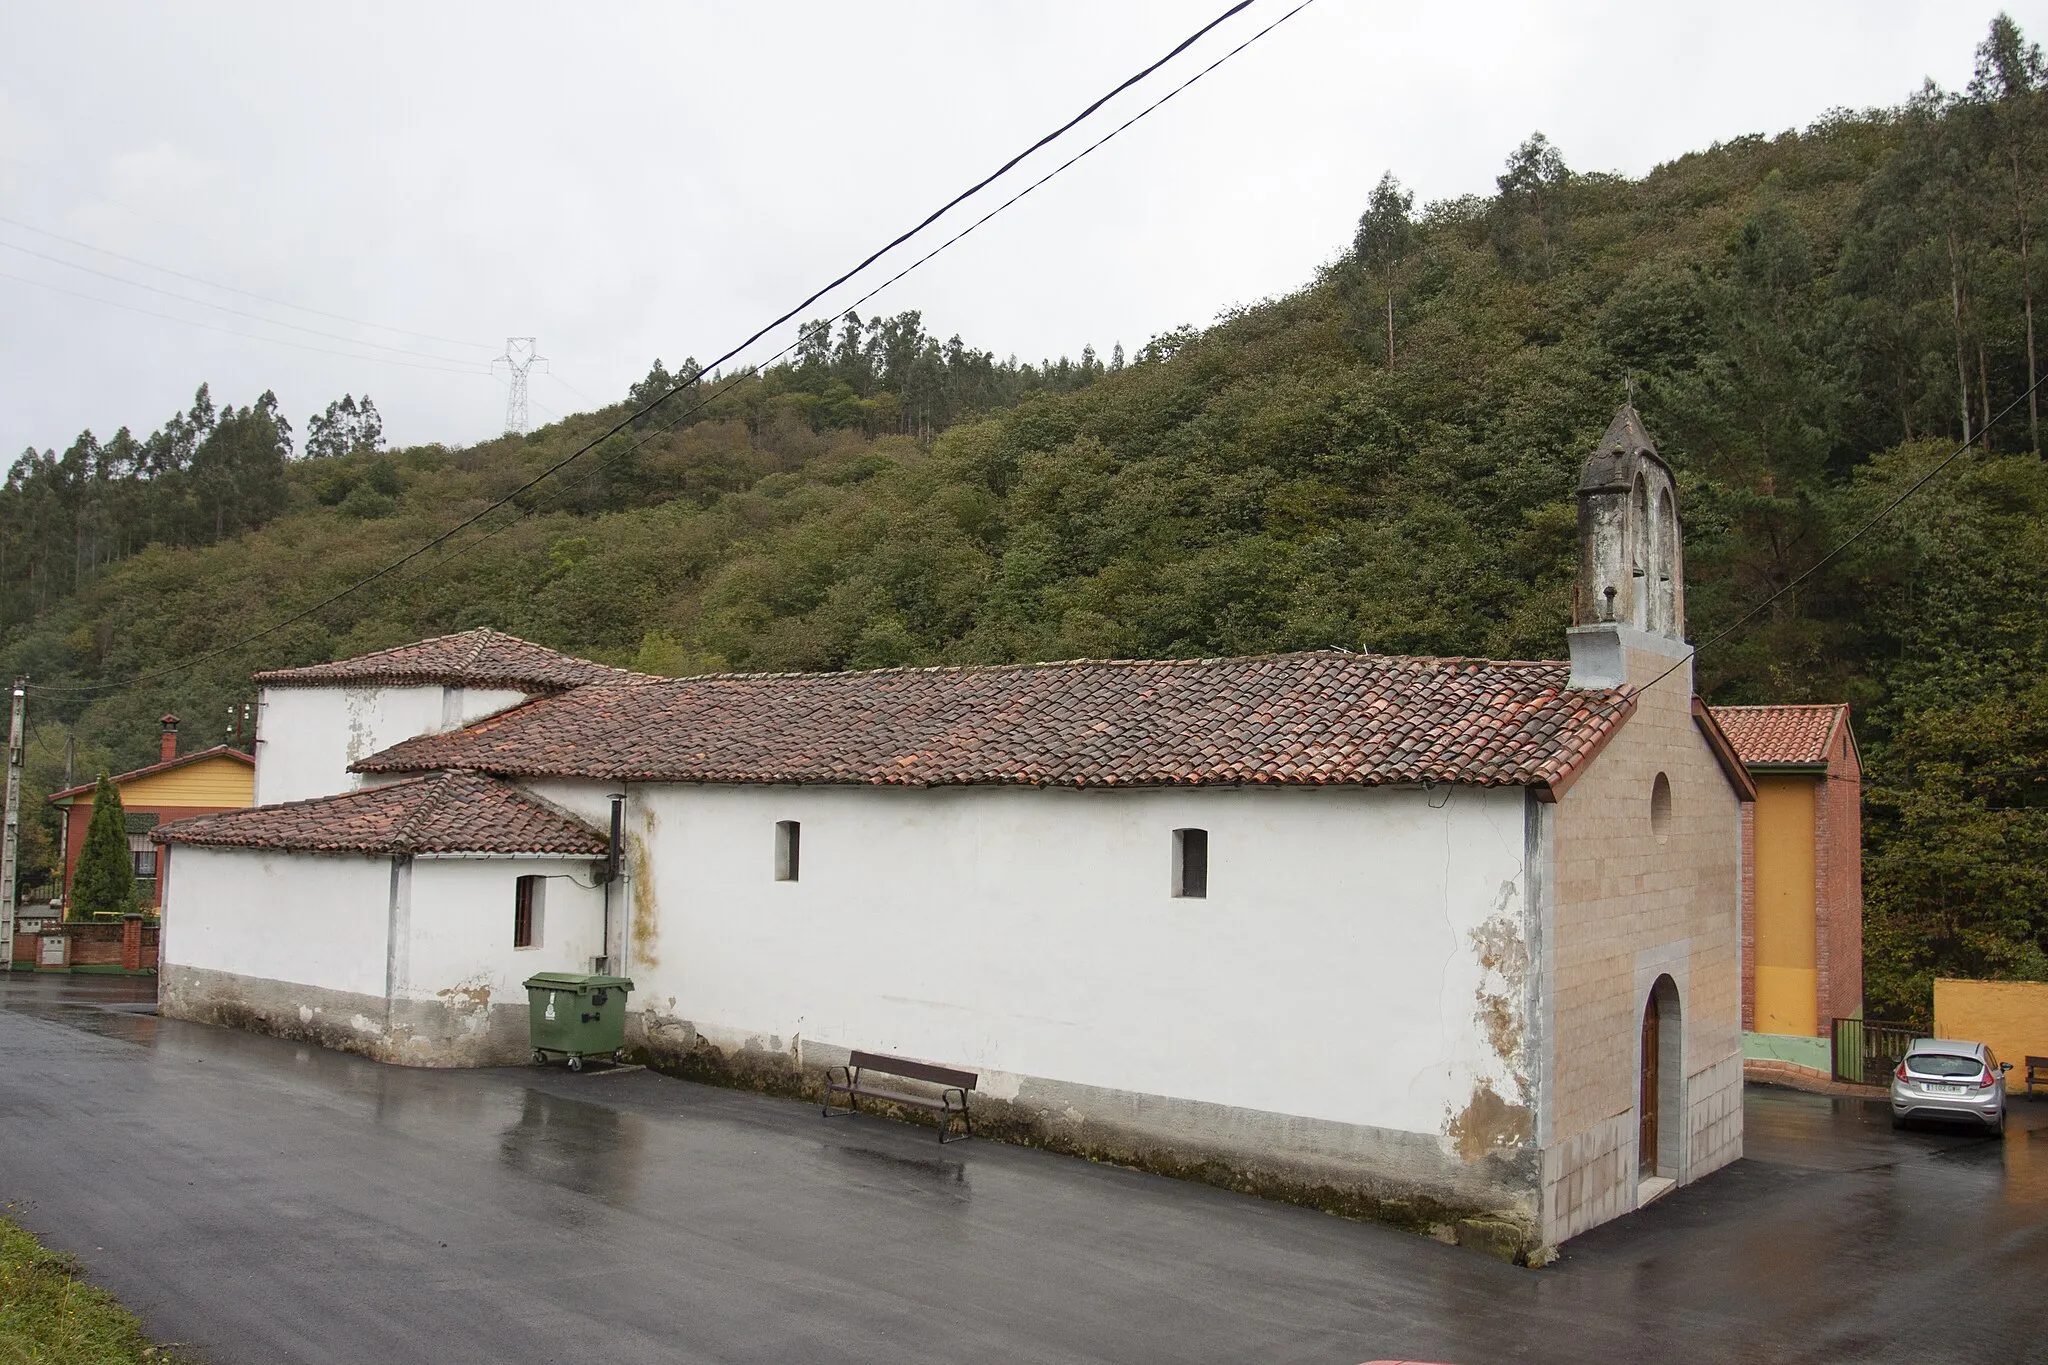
142,853
1191,863
788,848
528,899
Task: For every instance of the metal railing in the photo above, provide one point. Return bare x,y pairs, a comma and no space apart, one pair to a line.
1866,1050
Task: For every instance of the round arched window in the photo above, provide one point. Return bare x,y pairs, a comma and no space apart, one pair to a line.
1660,807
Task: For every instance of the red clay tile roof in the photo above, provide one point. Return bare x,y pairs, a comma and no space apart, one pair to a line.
454,812
217,751
1296,719
475,658
1770,736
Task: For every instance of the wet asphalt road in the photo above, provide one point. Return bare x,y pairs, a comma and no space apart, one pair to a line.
269,1202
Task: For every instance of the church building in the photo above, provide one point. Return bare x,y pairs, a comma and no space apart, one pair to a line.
1451,942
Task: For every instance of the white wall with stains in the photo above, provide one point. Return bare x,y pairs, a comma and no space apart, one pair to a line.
407,959
307,736
1356,958
458,945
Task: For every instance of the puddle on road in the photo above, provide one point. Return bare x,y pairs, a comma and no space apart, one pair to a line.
122,1008
2026,1168
588,1148
925,1175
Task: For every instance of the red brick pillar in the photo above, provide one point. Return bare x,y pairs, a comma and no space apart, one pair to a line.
131,943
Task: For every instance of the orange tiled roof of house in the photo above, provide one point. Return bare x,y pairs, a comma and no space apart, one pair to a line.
475,658
1789,735
453,812
1306,719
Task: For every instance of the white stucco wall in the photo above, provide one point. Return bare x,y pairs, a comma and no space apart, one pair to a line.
459,916
590,802
1330,973
313,920
307,736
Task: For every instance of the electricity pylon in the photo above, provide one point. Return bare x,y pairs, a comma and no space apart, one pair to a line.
521,355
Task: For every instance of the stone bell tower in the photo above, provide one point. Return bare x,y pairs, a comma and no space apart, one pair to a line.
1630,595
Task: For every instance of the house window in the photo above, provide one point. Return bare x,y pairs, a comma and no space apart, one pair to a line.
1191,862
142,852
788,847
1660,807
529,898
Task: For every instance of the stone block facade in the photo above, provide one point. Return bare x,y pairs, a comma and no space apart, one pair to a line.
1628,913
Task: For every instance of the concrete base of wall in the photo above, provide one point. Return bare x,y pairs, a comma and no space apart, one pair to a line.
1589,1178
1713,1117
460,1029
1814,1054
1414,1181
1595,1176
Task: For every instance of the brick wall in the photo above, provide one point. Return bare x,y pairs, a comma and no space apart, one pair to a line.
1748,916
127,944
1838,884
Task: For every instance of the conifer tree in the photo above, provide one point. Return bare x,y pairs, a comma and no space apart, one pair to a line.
105,881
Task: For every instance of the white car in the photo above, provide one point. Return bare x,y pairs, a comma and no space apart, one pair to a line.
1943,1078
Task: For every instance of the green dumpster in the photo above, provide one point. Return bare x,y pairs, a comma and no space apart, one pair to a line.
574,1015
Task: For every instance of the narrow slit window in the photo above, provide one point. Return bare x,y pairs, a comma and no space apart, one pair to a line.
1191,863
527,898
788,849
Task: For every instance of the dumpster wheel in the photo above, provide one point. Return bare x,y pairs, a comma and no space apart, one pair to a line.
575,1062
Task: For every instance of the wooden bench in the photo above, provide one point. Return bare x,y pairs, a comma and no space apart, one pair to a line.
2037,1073
851,1081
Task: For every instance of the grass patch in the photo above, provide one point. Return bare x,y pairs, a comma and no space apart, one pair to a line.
50,1315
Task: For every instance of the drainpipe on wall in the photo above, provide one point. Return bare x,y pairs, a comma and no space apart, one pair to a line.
614,861
397,938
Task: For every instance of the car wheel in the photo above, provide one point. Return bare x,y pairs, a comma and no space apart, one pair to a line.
1998,1128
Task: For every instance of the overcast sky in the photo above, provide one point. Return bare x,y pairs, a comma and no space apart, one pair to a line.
626,181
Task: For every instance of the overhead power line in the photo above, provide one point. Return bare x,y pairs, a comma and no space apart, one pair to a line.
759,365
626,421
449,368
1880,516
231,289
237,312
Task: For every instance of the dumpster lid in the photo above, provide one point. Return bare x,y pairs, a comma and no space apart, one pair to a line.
577,981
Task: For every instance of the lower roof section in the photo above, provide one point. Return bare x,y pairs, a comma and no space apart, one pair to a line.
442,812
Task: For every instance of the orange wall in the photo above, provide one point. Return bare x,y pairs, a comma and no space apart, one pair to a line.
1787,983
2011,1017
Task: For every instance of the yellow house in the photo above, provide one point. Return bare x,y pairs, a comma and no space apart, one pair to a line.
1802,867
175,786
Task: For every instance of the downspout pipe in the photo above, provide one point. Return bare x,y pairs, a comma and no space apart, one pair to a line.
614,860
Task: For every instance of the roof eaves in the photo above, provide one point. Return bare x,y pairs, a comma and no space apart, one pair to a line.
1717,739
1552,788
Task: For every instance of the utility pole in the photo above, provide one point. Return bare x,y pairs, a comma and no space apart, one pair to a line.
521,355
10,835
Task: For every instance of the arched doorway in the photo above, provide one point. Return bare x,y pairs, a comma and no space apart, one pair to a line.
1659,1109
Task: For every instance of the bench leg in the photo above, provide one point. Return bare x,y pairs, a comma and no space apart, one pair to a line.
946,1118
852,1105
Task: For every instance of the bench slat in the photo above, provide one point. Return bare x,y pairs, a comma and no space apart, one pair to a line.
915,1070
895,1096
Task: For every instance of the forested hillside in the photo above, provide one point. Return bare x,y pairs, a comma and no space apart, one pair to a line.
1384,459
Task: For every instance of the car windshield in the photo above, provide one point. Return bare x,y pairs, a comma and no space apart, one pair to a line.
1942,1064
